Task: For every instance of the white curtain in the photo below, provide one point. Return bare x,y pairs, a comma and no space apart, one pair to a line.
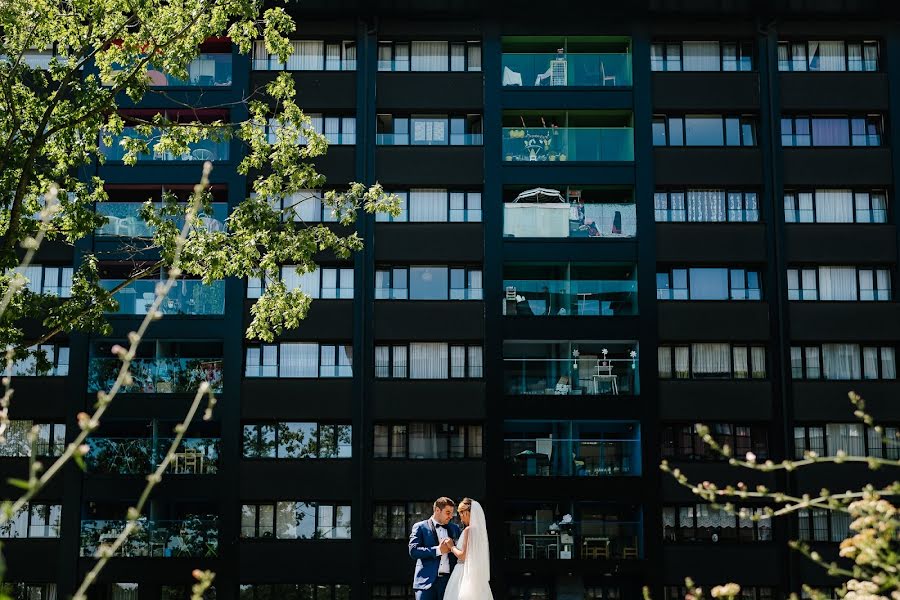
261,57
883,283
349,56
682,361
711,360
382,361
306,205
428,360
664,361
837,283
870,362
706,205
841,361
831,55
423,440
306,282
429,56
474,52
428,205
348,131
701,56
299,360
306,56
612,220
758,362
741,362
805,201
475,355
888,363
34,274
333,57
123,591
332,130
457,361
830,131
399,354
847,437
834,206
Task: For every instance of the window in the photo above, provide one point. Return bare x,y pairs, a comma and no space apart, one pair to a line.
711,361
428,283
429,360
704,523
428,440
429,56
319,591
854,439
827,131
843,362
748,592
392,592
53,281
297,440
54,362
429,205
308,55
704,130
706,206
706,283
682,442
34,520
338,130
394,521
293,520
701,56
828,55
835,206
300,359
324,283
429,130
30,591
823,525
843,284
50,439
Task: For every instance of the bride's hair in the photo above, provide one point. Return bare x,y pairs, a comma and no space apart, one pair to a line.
464,505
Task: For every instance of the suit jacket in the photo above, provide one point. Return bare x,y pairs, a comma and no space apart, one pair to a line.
423,544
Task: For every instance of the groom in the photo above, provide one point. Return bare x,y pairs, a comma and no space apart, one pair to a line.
430,543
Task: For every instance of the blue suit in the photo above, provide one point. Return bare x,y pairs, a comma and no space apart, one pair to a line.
423,544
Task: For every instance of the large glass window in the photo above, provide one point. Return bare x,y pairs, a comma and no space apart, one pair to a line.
843,361
429,56
702,56
428,440
704,130
828,55
706,206
828,131
711,361
299,359
429,360
308,55
835,206
708,283
848,284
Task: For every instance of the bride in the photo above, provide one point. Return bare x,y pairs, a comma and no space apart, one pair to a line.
470,578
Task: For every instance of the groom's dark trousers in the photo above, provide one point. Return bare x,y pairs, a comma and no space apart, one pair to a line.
436,592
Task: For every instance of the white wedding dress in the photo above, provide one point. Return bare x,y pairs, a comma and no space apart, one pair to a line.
470,578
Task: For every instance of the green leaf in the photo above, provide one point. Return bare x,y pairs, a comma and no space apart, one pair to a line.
19,483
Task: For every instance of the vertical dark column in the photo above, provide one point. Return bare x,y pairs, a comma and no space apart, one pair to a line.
890,62
647,328
363,314
492,215
774,286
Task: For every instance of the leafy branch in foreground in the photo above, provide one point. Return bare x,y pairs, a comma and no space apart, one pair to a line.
871,569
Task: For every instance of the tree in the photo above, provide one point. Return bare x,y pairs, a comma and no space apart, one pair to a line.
869,558
56,118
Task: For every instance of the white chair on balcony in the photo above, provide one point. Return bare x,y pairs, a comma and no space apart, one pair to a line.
511,77
604,374
604,77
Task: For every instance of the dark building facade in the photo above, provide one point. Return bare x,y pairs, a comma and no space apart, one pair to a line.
617,222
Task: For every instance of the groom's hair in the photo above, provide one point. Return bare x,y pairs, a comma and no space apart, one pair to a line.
443,502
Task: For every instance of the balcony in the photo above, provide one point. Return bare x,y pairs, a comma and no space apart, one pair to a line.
577,61
582,144
157,375
595,368
549,449
569,212
193,537
542,70
528,294
123,219
587,539
207,70
139,456
187,297
201,151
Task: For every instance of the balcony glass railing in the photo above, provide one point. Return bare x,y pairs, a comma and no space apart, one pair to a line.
531,297
207,70
139,456
157,375
403,139
192,537
187,297
586,539
579,376
554,70
123,219
198,151
569,220
584,144
555,457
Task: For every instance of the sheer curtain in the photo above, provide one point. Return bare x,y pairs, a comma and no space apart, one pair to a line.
834,206
841,361
423,440
831,55
299,360
428,205
348,131
870,362
837,283
306,205
306,282
706,205
428,360
429,56
123,591
711,360
888,363
847,437
682,361
830,132
306,56
664,361
701,56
